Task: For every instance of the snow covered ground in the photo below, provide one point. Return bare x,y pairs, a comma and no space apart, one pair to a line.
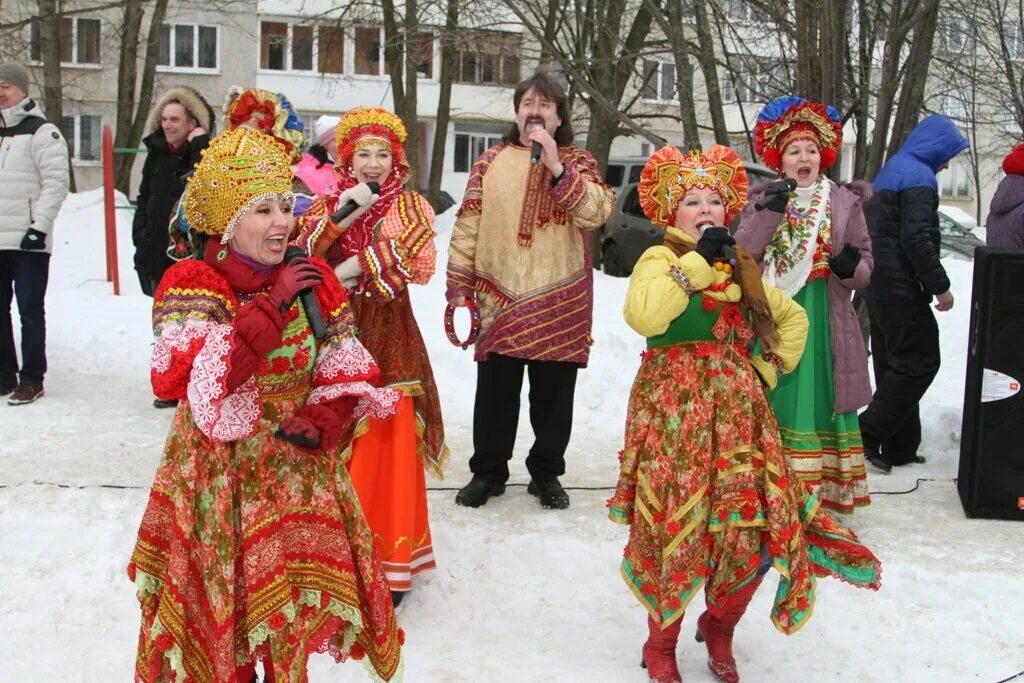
521,593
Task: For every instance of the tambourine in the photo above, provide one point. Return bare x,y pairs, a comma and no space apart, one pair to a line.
474,324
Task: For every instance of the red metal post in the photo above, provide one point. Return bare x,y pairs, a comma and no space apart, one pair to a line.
109,216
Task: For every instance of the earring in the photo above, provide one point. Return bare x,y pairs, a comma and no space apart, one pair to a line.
222,254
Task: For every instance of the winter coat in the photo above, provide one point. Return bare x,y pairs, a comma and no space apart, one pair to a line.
320,181
163,180
903,218
849,357
33,174
1005,223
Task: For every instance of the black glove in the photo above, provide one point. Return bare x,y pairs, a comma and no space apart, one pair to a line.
776,196
33,240
844,264
711,242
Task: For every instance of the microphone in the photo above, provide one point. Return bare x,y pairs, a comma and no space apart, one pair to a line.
348,208
308,297
535,149
727,253
790,186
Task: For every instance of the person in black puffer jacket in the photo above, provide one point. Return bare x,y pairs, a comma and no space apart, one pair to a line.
180,125
903,223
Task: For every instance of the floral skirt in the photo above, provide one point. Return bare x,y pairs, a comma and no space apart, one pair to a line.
388,475
704,484
256,549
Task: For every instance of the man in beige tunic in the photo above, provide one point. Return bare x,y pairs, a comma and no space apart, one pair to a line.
520,251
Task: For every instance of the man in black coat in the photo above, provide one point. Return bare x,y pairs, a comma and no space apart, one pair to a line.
903,223
179,123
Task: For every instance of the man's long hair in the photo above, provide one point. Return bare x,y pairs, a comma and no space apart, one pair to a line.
552,90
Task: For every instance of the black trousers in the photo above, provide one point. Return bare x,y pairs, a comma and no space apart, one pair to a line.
499,381
23,276
905,353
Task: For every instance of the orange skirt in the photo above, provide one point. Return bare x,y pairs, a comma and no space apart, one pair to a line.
389,479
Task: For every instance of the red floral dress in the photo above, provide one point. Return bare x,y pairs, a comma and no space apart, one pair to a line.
251,547
704,484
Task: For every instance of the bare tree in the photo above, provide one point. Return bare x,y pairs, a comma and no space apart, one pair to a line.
449,60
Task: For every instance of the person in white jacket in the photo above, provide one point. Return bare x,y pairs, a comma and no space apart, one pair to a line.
33,185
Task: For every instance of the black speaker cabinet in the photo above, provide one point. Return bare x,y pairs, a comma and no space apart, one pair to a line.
991,481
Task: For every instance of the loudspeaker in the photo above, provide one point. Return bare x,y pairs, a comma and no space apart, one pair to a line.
991,480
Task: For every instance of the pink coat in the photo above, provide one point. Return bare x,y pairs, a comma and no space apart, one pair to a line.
849,357
319,180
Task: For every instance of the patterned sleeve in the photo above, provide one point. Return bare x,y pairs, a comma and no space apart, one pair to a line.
582,192
404,251
660,288
193,316
462,249
343,365
316,232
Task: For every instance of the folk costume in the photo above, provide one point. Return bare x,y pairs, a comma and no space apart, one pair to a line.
521,252
394,244
251,547
704,484
816,405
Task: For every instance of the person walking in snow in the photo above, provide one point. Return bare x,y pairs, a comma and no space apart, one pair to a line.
812,243
520,252
704,485
903,222
33,184
1005,224
253,545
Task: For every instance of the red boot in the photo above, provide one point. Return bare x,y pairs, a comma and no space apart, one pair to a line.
716,633
659,652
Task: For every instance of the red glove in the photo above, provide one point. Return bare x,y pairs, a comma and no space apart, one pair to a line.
297,276
320,426
258,326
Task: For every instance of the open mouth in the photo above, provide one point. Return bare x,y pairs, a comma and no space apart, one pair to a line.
534,123
372,177
276,242
803,173
705,224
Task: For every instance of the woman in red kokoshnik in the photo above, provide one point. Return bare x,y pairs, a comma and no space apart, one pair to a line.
704,485
386,244
252,546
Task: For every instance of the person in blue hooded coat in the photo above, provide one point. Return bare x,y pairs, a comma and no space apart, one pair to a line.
903,223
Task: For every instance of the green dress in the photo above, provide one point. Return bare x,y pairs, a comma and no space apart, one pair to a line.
824,449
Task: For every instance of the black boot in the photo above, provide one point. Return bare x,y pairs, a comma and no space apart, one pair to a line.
165,403
872,454
477,491
396,598
552,495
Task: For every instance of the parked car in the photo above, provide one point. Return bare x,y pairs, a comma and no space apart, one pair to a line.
957,238
628,233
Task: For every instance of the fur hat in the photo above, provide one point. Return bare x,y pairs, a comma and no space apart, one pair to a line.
238,169
669,174
194,103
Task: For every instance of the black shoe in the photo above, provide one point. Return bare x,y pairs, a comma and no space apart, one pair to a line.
552,495
878,462
396,598
477,491
165,403
919,459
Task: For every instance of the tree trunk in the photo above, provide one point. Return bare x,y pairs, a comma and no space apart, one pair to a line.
709,67
447,75
410,115
865,44
808,49
671,24
912,93
127,75
49,38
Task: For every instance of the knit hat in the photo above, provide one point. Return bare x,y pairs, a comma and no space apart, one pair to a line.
1013,164
238,169
15,74
787,119
669,174
268,112
323,129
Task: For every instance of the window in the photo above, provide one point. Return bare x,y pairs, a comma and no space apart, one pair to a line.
1014,36
330,57
83,135
954,182
469,147
739,10
614,174
425,55
953,106
488,58
79,40
659,81
273,45
368,50
953,36
631,204
756,80
302,48
188,46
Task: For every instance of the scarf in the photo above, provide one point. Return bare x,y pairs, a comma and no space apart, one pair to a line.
360,233
789,255
748,277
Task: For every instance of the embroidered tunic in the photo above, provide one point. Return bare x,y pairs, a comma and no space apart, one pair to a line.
251,547
520,249
704,485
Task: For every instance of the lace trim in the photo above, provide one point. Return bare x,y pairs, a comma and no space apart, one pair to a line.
234,416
